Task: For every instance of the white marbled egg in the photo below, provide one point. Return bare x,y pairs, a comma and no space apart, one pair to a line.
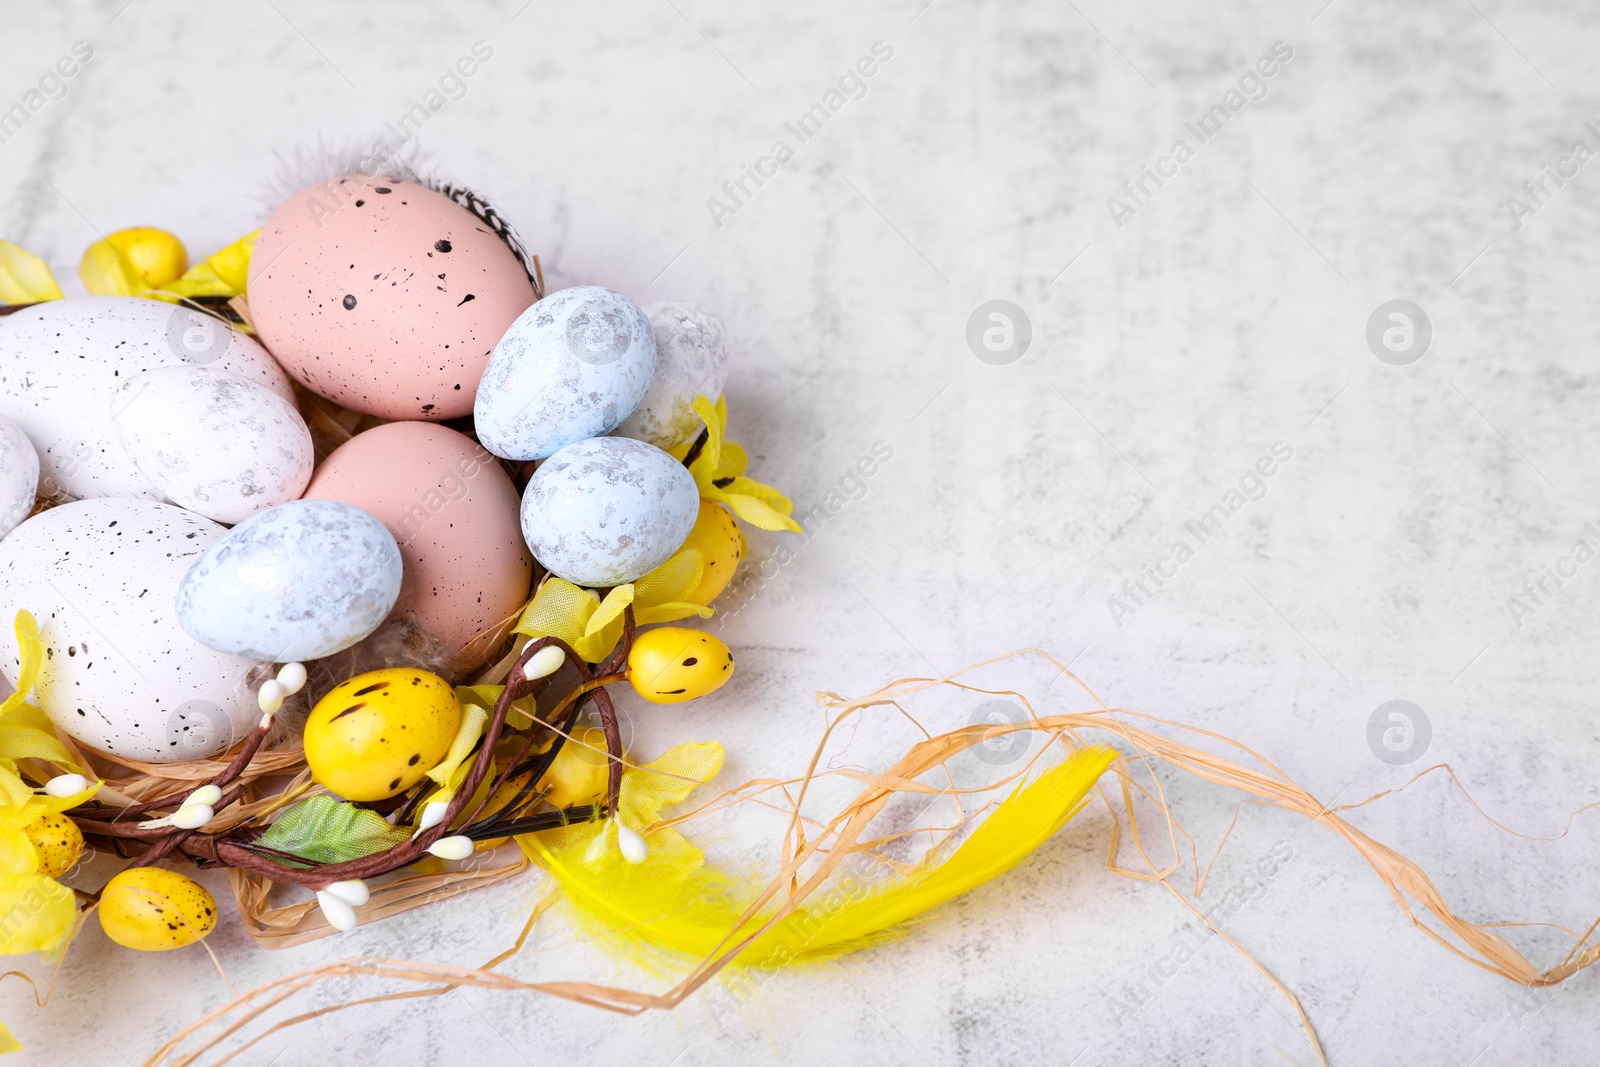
19,475
119,673
62,362
299,581
691,359
214,442
572,366
608,510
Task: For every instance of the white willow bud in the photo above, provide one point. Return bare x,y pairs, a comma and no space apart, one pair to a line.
352,891
632,843
544,663
292,677
270,697
66,785
340,915
208,795
432,815
192,816
452,848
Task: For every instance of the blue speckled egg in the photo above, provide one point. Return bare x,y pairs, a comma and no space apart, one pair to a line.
299,581
608,510
572,366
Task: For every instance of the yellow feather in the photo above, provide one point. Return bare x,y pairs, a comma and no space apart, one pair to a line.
675,903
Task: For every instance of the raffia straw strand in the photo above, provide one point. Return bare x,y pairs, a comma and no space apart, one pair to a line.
810,858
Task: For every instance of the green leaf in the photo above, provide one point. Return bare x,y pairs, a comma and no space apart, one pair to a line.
324,830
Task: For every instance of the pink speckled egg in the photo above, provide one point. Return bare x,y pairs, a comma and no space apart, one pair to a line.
455,515
384,296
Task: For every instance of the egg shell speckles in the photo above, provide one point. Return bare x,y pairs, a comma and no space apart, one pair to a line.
213,442
608,510
691,360
62,362
379,733
454,513
19,475
385,296
572,367
299,581
119,674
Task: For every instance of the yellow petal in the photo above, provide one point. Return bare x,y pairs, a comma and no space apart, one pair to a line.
672,611
24,277
225,273
758,513
672,581
8,1041
32,654
558,609
733,461
44,910
473,720
610,610
106,272
17,854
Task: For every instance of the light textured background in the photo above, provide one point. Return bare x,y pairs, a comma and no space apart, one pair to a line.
1167,355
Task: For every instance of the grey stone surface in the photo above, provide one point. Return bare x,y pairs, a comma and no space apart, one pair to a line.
1168,355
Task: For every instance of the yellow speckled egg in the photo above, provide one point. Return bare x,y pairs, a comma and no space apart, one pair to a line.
153,910
580,772
377,734
58,841
671,664
720,542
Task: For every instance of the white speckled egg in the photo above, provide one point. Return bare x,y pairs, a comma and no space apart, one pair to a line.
608,510
62,362
691,360
572,366
19,475
213,442
119,673
299,581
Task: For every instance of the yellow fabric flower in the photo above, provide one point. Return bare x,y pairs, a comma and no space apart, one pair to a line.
37,914
224,274
599,880
24,277
719,474
25,731
593,626
131,262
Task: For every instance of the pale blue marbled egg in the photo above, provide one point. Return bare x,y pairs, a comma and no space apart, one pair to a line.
572,366
608,510
299,581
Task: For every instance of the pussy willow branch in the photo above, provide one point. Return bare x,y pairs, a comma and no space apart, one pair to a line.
234,848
